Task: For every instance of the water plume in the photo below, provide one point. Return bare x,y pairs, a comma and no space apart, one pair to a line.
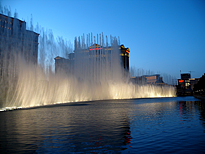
96,73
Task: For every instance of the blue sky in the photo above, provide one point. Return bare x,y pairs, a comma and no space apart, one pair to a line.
164,36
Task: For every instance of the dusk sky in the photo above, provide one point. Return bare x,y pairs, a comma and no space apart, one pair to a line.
164,36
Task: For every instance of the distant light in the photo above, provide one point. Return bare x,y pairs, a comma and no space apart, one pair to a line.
95,49
180,81
128,50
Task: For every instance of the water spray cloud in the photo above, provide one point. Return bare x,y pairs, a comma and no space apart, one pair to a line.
97,73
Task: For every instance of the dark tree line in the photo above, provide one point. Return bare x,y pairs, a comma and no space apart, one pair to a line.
199,88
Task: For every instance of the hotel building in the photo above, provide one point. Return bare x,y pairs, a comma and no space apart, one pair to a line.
186,84
94,52
16,40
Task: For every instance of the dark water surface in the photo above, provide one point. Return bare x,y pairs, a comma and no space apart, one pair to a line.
160,125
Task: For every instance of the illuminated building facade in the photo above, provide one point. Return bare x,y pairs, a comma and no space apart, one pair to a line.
186,84
148,79
16,40
125,57
96,52
154,79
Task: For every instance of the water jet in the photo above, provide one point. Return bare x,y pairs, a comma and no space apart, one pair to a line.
96,73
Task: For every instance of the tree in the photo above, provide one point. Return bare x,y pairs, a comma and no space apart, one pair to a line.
199,88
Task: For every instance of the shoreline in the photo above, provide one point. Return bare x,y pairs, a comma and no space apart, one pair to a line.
200,97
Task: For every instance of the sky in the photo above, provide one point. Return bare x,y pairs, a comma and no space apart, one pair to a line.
164,36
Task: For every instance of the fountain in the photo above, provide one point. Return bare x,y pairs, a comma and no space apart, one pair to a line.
96,71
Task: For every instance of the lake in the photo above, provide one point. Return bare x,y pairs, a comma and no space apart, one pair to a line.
149,125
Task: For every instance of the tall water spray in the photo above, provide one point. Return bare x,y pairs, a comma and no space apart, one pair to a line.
94,74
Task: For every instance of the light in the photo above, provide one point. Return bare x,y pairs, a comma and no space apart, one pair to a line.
180,81
128,50
96,49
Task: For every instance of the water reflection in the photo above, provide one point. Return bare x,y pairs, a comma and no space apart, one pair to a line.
136,126
71,128
201,108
